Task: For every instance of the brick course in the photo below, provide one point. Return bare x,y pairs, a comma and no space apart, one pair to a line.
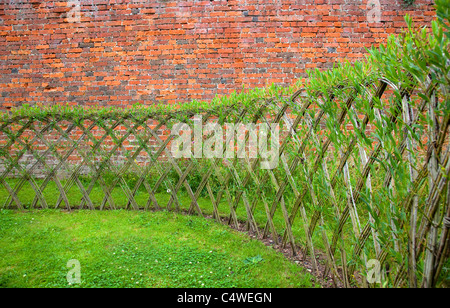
145,51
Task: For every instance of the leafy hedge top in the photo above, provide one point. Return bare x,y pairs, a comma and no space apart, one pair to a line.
251,99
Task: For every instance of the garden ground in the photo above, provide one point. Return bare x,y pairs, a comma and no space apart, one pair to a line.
136,249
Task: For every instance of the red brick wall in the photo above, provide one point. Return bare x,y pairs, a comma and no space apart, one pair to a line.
142,51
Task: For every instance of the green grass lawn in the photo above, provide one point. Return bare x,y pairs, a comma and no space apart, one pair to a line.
117,227
135,249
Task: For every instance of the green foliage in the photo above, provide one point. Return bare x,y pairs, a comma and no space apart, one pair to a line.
253,260
250,99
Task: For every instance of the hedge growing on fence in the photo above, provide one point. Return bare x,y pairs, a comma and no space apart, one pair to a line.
362,178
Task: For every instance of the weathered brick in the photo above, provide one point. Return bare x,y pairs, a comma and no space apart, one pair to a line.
122,52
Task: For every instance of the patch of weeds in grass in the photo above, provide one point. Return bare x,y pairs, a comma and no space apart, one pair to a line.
253,260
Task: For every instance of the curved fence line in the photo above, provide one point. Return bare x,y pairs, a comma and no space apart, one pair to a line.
361,175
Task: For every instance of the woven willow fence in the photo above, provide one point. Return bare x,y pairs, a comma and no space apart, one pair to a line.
339,190
361,186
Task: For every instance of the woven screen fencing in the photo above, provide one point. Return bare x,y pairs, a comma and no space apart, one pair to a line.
357,179
349,186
